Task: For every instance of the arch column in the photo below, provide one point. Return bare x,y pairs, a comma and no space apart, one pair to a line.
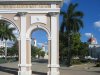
28,56
19,51
23,65
49,55
54,63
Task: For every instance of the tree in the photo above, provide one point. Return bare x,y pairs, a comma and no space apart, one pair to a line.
2,51
75,43
13,51
33,51
64,47
42,54
72,23
37,52
72,19
15,47
6,33
83,50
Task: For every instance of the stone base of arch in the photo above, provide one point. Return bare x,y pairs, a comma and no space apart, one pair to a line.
25,72
53,69
53,73
24,20
24,69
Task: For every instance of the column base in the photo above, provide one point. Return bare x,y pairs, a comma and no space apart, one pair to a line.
53,73
53,69
24,72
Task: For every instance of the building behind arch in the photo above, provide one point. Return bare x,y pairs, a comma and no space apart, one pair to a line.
94,47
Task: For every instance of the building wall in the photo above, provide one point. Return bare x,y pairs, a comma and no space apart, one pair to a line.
94,51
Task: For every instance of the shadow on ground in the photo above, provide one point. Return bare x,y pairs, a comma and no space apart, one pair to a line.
38,73
9,70
40,60
14,71
97,71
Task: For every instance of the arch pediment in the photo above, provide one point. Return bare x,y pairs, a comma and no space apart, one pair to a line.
36,26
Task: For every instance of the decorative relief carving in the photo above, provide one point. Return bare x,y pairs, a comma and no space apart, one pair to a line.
25,6
41,19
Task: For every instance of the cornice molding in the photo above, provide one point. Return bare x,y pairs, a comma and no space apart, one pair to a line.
9,2
52,13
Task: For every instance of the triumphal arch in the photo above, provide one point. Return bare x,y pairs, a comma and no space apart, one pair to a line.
28,15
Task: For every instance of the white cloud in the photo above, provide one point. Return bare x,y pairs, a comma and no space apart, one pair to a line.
97,24
40,44
88,34
11,26
67,1
15,31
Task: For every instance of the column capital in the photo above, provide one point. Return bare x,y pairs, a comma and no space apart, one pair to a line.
21,14
53,13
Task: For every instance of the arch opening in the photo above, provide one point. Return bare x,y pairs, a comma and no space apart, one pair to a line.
9,48
39,45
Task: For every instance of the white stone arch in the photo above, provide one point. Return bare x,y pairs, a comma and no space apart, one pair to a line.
16,26
35,27
41,10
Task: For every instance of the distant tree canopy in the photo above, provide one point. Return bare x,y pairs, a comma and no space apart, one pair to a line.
35,51
6,33
77,48
70,37
13,51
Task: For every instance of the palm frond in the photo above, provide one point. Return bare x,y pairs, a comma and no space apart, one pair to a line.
78,14
71,8
5,31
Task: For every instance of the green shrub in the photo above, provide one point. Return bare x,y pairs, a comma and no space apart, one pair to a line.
98,65
2,60
75,61
9,59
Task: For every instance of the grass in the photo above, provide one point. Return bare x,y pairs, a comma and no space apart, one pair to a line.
2,60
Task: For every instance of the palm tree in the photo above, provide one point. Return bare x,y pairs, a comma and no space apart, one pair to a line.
6,33
72,19
72,23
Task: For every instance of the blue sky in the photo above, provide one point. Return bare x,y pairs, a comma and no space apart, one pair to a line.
91,19
40,36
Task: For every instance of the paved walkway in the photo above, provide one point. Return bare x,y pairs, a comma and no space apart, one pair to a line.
41,69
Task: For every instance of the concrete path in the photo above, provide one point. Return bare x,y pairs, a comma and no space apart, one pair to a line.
41,69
